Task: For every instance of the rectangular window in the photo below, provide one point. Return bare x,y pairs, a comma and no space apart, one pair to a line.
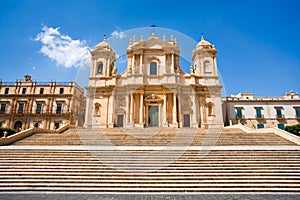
260,125
41,90
279,113
38,108
56,125
297,113
23,90
58,108
6,90
21,107
61,90
36,125
239,113
258,113
3,106
281,126
153,68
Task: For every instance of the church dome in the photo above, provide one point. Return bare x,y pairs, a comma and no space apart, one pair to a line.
204,44
102,45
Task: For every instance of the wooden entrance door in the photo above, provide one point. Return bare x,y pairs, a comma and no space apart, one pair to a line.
186,120
153,116
120,120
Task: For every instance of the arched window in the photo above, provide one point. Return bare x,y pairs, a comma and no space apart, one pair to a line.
100,68
207,66
153,68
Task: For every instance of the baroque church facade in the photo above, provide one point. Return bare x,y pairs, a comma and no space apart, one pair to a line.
153,90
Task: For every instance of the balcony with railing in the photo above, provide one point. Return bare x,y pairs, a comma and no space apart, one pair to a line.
240,116
35,112
259,116
280,116
53,83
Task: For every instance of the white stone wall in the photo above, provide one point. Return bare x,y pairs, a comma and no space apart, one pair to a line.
268,111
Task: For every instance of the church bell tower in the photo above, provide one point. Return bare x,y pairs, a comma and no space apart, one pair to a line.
103,59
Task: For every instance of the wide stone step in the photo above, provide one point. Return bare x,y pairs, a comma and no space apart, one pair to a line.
155,137
186,174
165,171
150,162
150,185
138,177
151,190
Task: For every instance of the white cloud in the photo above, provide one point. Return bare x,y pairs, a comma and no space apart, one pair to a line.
63,49
118,34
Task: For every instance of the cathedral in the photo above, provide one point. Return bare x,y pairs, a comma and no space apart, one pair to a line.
153,90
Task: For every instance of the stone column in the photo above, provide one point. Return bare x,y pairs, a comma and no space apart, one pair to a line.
133,64
164,115
30,106
174,109
179,111
141,108
105,68
194,107
131,108
141,64
89,109
127,108
202,113
172,64
166,63
111,112
215,68
69,106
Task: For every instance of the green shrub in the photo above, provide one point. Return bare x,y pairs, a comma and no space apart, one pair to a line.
293,129
9,131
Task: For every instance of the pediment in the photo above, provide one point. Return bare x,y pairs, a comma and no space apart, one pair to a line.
154,43
154,46
148,44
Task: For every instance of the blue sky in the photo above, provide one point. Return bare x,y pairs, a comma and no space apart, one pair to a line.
258,41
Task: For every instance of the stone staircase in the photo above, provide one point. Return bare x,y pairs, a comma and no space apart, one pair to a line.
43,162
155,137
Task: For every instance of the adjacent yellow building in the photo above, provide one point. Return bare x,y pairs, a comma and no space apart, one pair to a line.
50,105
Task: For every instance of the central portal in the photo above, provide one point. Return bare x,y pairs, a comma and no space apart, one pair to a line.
153,116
